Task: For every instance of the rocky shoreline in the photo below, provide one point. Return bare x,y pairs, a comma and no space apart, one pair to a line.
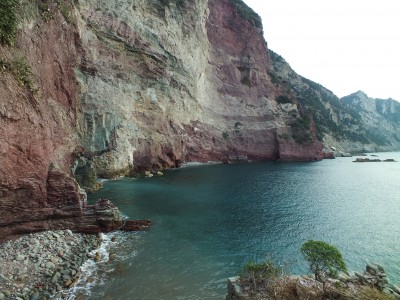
371,284
40,265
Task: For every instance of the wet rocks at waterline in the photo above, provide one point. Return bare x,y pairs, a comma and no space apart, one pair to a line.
38,266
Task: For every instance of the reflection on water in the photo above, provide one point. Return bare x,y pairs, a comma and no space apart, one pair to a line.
210,220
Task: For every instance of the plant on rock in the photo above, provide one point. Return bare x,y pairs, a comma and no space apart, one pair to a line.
8,21
256,274
323,259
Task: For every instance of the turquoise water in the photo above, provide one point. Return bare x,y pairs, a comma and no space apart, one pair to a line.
210,220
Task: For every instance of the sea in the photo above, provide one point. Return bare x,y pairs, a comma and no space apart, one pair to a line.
210,220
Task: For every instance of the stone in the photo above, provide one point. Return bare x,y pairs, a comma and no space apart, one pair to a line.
2,296
35,296
50,265
54,259
65,272
359,275
19,257
55,278
380,267
372,269
67,282
111,255
234,290
97,257
65,277
395,288
343,277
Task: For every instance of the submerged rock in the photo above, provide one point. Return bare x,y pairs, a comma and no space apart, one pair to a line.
136,225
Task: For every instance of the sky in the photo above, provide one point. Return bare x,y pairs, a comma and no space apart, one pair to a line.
345,45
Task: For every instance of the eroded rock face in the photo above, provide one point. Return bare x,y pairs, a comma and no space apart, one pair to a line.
352,124
165,84
38,132
37,122
133,85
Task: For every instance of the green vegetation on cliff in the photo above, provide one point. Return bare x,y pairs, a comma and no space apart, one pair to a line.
8,21
355,118
21,71
46,9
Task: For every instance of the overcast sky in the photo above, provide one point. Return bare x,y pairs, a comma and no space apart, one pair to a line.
345,45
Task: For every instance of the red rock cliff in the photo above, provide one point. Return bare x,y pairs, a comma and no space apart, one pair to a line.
134,85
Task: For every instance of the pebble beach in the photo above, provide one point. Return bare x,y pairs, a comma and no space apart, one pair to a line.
41,265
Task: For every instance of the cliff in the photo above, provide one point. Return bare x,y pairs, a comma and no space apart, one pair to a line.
102,89
353,124
378,119
166,83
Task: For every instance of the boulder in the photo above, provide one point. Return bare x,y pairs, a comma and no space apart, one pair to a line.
372,269
234,290
136,225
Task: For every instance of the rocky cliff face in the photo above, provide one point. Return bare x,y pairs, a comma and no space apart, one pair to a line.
38,112
102,88
166,83
353,124
378,119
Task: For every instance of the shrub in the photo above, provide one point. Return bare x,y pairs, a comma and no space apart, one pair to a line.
46,9
256,274
225,135
283,99
8,21
21,71
274,77
323,259
301,130
285,136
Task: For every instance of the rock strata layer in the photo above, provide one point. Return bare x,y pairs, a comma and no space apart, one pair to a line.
113,88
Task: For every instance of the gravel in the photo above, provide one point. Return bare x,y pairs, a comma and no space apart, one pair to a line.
38,266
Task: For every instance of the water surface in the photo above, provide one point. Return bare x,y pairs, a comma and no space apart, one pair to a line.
209,220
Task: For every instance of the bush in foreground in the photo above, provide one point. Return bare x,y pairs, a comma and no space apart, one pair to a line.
323,259
258,276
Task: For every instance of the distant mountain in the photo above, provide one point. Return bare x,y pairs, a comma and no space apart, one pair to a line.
355,123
